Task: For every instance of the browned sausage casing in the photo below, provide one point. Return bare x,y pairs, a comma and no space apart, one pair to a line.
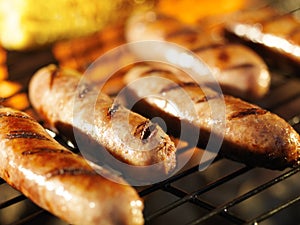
56,94
238,69
58,180
252,135
266,26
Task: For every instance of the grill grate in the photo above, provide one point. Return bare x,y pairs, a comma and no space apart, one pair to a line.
226,193
186,197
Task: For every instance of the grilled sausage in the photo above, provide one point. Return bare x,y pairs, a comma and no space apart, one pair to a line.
65,104
252,135
267,27
238,69
58,180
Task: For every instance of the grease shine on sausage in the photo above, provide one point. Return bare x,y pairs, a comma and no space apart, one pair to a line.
266,26
252,135
58,180
239,70
57,93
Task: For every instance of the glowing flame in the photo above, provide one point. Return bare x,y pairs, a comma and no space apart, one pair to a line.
3,70
8,88
190,11
19,101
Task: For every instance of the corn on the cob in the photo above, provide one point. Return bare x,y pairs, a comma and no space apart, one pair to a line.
27,24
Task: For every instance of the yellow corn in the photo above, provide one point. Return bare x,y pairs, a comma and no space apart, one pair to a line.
27,24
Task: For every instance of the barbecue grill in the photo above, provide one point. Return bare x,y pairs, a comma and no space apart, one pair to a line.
227,192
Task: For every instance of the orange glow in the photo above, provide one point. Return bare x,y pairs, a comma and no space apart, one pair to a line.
8,88
19,101
3,72
80,52
2,55
190,11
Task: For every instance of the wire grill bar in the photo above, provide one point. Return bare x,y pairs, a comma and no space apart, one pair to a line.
169,180
195,196
273,211
12,201
285,89
193,199
184,197
29,218
247,195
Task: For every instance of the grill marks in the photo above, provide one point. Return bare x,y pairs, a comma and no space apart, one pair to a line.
183,85
172,86
156,70
247,112
15,134
45,150
185,33
199,99
15,115
112,110
145,131
182,31
72,171
206,98
178,86
191,35
223,56
54,74
240,66
26,134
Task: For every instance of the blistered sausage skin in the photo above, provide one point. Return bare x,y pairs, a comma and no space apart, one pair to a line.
238,69
252,135
66,105
58,180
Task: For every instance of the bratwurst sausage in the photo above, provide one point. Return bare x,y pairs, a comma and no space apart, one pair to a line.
251,134
270,29
68,105
238,69
60,181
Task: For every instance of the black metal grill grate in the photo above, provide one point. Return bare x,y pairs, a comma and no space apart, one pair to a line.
275,183
226,192
223,209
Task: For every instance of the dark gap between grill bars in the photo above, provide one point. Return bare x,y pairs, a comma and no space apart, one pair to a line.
247,195
174,197
193,200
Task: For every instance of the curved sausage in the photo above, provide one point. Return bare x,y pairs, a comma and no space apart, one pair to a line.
251,134
68,105
238,69
269,28
60,181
